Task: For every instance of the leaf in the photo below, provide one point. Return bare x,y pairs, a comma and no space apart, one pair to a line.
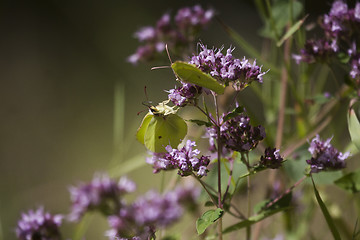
164,130
200,122
320,98
295,168
263,212
344,57
236,112
354,123
327,177
191,74
280,17
128,165
326,213
291,31
208,218
350,182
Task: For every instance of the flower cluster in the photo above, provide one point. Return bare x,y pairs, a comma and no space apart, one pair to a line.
271,158
102,194
141,219
187,93
189,21
39,225
137,220
325,156
341,38
237,134
316,50
186,160
227,69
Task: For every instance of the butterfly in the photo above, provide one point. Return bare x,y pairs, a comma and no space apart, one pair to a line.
161,127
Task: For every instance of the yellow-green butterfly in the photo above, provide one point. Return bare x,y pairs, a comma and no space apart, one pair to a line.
161,127
191,74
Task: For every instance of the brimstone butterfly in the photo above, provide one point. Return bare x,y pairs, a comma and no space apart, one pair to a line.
161,127
191,74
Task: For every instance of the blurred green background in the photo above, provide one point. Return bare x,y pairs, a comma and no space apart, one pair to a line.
59,64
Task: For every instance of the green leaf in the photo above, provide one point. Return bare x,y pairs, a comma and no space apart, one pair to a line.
191,74
350,182
343,57
291,31
281,16
263,212
208,218
326,213
200,122
327,177
129,165
82,227
236,112
172,237
354,123
320,99
295,168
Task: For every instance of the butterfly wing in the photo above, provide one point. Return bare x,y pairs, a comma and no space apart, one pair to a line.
164,130
140,135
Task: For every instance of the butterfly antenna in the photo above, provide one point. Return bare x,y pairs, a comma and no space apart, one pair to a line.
146,95
167,51
140,112
160,67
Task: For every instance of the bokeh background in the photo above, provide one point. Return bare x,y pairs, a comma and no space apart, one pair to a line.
62,64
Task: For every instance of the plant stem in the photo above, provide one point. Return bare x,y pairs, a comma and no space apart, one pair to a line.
229,181
286,192
219,148
248,228
207,115
205,188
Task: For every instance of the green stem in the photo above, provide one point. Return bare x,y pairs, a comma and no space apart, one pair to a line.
229,181
219,148
205,188
248,228
207,115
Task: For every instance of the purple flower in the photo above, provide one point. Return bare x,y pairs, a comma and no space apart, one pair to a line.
186,160
154,209
357,12
355,68
179,36
227,69
39,225
316,50
190,20
187,93
143,53
102,194
271,158
340,39
237,134
146,34
339,9
150,212
188,196
325,156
